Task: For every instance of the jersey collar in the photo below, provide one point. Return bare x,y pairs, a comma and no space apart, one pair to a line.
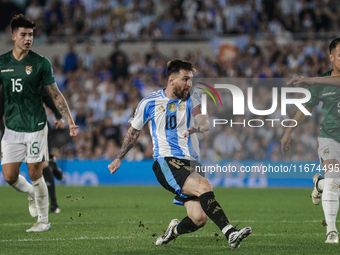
162,93
18,61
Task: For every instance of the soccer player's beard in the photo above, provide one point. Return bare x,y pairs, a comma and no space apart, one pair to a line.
180,93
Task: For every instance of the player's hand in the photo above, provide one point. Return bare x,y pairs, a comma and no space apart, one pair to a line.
285,143
59,124
113,167
192,130
74,130
304,82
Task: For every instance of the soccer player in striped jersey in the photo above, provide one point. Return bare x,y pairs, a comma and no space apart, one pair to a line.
325,89
174,117
23,73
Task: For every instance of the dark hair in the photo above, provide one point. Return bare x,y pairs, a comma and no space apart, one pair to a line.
21,21
175,65
333,44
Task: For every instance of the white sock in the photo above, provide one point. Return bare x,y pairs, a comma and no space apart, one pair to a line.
321,184
226,228
330,201
41,199
23,186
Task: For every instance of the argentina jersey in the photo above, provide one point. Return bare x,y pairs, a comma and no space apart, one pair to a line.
169,120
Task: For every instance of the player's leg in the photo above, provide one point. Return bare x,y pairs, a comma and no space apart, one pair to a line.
329,154
330,199
318,182
196,219
19,183
57,172
37,153
41,197
196,185
12,156
49,179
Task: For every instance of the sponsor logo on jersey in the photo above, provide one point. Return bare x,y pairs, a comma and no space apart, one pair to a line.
28,70
181,106
52,72
326,151
7,70
172,107
329,93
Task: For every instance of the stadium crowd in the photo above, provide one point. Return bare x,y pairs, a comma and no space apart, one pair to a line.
103,92
109,20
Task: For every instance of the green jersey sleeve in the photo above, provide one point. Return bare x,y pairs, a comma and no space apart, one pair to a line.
47,72
314,100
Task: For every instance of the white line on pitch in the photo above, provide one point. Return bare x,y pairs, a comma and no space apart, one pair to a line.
130,237
153,222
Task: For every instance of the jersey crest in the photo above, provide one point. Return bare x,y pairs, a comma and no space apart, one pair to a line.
28,70
172,107
181,106
326,151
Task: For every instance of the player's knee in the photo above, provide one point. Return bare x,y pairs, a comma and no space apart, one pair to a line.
205,186
11,179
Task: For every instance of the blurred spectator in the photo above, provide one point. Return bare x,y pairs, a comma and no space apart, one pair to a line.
111,132
133,26
119,62
40,38
167,24
87,58
7,11
34,11
226,143
70,60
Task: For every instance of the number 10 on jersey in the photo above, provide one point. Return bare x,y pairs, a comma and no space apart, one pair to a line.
170,122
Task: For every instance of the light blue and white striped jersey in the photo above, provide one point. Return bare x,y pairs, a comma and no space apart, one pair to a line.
168,123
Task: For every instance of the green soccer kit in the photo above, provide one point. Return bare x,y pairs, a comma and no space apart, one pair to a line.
330,96
23,83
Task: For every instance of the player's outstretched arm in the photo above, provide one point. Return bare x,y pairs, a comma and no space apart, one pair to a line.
60,103
306,82
129,141
299,117
203,125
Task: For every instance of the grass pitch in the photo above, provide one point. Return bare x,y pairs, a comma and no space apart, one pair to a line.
127,220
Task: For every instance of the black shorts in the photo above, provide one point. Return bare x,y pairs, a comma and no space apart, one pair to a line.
171,173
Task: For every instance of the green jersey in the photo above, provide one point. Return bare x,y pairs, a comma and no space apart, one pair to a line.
23,83
330,96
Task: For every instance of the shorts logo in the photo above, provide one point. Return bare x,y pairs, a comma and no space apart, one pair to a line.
172,107
28,70
187,168
326,151
181,106
176,163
